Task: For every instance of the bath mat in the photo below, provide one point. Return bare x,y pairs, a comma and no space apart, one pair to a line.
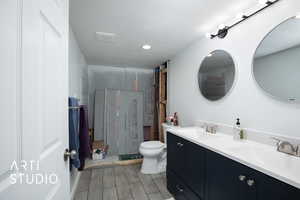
130,156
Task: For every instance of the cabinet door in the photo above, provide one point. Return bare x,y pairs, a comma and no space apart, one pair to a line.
179,189
222,178
176,155
270,188
247,188
194,173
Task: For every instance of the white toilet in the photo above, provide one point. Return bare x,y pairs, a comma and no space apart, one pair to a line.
155,154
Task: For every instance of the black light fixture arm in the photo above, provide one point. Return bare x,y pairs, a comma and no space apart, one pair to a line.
223,32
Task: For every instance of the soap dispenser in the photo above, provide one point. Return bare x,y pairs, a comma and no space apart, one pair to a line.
237,130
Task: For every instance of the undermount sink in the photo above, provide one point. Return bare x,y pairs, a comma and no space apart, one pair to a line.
265,156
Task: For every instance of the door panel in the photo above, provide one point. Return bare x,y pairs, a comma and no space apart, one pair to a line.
246,192
176,153
9,89
99,115
194,173
179,189
270,188
134,122
123,121
222,178
43,100
113,120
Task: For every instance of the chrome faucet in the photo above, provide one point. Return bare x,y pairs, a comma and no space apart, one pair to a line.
210,128
287,147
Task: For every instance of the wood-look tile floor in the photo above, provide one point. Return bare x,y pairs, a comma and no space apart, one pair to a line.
121,183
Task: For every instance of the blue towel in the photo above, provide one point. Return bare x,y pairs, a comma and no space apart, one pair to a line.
74,131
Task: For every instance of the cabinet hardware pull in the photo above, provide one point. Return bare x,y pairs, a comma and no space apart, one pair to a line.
242,178
250,182
179,144
179,189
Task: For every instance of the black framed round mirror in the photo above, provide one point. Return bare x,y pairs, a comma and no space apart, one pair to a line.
216,75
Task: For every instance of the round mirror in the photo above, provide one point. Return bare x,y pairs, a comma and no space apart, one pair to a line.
276,63
216,75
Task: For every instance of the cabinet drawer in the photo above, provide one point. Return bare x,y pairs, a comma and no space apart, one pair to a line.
178,189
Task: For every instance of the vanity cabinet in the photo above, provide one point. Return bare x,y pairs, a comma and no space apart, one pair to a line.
227,179
186,161
196,173
270,188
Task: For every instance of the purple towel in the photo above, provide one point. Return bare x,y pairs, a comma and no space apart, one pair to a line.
74,142
84,138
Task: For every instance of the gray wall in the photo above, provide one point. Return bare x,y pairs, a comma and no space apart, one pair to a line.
132,79
247,101
78,73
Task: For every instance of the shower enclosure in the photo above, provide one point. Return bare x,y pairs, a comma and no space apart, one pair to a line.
119,120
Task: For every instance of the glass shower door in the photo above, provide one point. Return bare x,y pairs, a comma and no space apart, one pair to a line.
132,135
123,121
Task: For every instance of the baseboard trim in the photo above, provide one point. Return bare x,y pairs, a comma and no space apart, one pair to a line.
74,188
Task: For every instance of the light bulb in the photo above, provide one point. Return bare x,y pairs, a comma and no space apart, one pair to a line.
208,35
262,1
221,26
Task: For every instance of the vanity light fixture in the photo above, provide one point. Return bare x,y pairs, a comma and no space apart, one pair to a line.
146,47
223,29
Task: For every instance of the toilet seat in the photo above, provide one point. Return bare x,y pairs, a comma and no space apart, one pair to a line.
152,145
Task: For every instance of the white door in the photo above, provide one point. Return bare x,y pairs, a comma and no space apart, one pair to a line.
34,106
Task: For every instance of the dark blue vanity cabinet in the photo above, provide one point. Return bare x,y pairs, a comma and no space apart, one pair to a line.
188,171
227,179
195,173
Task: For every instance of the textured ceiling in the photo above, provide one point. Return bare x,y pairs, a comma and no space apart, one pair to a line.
167,25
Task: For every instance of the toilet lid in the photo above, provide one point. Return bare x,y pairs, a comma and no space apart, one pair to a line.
152,145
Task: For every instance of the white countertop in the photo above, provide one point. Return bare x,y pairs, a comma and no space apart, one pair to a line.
261,157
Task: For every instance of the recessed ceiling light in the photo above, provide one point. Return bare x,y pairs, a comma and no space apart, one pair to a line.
146,46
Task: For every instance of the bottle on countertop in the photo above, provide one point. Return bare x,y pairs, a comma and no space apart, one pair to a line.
237,130
175,119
